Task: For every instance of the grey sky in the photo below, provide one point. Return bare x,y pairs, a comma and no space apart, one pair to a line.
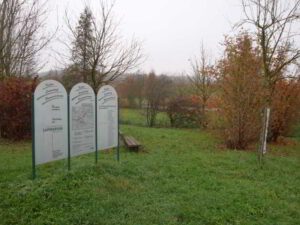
171,30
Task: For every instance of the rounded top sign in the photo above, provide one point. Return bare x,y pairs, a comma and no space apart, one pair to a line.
50,121
49,84
107,93
82,89
82,119
106,87
107,119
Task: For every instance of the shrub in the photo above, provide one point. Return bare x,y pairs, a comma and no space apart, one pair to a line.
15,107
185,111
285,108
241,93
123,103
157,90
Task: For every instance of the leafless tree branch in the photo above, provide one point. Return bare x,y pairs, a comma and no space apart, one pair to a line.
274,21
21,39
110,57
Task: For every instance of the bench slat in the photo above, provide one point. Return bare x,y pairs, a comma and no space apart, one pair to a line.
131,142
134,141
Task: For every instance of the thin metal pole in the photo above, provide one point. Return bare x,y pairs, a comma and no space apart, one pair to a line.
261,138
96,129
118,147
266,131
69,136
33,137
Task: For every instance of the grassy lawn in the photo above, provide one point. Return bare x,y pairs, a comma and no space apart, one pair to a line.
180,178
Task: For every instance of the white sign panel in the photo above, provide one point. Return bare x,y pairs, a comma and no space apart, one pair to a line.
82,119
50,122
107,117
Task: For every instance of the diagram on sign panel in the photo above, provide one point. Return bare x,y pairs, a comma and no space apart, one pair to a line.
82,117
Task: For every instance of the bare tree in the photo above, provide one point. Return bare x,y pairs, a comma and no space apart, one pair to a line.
202,80
21,23
274,21
157,89
110,57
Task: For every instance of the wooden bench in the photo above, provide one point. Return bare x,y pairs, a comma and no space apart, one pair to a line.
131,143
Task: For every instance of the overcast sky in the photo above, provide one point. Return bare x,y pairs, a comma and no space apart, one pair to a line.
171,30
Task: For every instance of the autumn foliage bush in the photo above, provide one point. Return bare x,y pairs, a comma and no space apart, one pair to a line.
185,111
240,92
285,110
15,107
131,90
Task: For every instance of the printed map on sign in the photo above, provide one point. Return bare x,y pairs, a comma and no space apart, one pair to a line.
83,117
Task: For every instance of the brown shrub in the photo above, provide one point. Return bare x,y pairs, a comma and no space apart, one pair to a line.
241,91
15,107
285,108
185,111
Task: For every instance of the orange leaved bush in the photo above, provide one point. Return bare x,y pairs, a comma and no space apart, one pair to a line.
285,110
241,92
15,107
185,111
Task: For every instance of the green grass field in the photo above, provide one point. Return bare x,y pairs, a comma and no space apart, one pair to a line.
138,118
296,132
181,177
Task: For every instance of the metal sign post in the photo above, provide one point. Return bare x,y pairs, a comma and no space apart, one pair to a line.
264,149
96,130
33,137
118,147
264,134
69,144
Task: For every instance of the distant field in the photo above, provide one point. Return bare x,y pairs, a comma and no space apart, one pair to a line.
296,132
182,177
138,117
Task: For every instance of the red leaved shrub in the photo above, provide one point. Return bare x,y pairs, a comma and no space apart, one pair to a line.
185,111
15,107
285,110
240,92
